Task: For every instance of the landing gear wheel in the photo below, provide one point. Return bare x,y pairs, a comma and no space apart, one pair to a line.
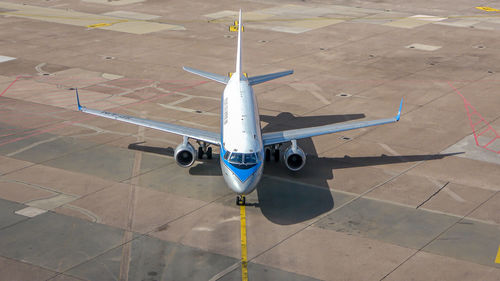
240,200
200,152
276,155
209,153
268,155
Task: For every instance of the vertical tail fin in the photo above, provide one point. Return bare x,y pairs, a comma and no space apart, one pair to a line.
238,54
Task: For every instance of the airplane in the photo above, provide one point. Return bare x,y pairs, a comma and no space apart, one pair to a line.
243,147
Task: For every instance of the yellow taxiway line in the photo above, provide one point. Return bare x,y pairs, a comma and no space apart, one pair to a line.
243,232
497,260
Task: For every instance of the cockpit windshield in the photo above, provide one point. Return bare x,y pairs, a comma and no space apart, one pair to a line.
242,160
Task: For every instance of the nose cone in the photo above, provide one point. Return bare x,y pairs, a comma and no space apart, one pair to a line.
242,188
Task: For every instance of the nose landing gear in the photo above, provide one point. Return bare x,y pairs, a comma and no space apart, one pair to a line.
240,200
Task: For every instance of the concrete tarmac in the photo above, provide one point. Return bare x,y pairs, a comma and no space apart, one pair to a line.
88,198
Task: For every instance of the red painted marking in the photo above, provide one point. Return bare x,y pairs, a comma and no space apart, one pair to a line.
68,123
472,111
484,131
9,86
1,136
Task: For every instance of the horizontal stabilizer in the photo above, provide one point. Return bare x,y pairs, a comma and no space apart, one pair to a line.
212,76
266,77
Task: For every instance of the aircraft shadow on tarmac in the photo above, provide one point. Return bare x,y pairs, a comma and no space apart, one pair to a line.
283,197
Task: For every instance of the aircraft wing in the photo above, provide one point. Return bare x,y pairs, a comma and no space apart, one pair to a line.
202,135
284,136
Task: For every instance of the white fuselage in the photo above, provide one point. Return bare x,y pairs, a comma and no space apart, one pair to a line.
242,150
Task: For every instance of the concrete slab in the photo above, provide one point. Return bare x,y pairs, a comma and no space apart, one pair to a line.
7,216
57,242
393,224
489,210
21,192
59,180
470,241
424,266
16,270
153,258
204,229
8,164
319,247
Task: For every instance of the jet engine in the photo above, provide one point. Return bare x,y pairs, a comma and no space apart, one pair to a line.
294,157
184,154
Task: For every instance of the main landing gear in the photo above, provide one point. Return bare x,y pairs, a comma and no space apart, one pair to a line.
204,149
240,200
275,151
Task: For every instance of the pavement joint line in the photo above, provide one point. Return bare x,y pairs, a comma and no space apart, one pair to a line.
380,200
318,218
58,125
128,234
31,264
439,235
141,235
31,185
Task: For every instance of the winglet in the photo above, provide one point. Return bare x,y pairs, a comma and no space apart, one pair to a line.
78,100
399,112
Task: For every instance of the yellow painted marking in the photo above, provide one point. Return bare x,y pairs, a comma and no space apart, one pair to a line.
243,232
497,260
488,9
98,25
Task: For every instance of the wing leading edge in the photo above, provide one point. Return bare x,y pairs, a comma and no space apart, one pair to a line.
284,136
202,135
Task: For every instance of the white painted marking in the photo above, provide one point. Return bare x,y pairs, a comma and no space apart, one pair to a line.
30,212
201,228
180,100
235,218
427,18
94,217
178,108
311,88
423,47
131,15
52,202
31,146
109,76
453,194
5,58
388,149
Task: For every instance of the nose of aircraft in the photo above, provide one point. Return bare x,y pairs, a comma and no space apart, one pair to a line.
242,188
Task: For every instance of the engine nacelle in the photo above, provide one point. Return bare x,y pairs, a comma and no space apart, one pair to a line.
294,158
184,154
